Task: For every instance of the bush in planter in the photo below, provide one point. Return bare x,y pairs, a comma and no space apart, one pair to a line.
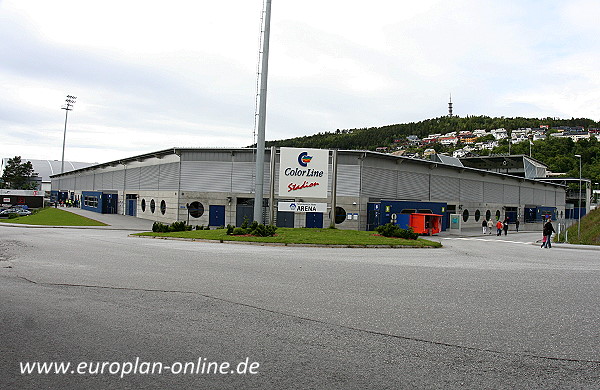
387,230
391,230
264,231
178,226
238,231
252,227
245,223
158,227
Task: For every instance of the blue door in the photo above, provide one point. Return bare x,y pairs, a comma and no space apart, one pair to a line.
131,207
216,216
314,220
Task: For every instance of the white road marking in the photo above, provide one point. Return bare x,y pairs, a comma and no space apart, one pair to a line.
487,240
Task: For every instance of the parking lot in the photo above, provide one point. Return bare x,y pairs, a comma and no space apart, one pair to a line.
482,312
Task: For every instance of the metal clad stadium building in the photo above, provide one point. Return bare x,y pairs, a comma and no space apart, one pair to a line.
215,187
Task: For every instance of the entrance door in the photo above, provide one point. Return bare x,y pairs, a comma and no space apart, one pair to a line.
216,215
109,203
244,212
314,220
131,207
373,213
285,219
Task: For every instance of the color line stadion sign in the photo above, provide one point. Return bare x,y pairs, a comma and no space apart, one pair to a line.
303,172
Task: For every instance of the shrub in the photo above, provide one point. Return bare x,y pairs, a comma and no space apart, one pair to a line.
391,230
158,227
260,230
387,230
178,226
245,223
264,231
238,231
252,227
408,234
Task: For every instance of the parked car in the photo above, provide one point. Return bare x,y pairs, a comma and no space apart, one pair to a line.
20,212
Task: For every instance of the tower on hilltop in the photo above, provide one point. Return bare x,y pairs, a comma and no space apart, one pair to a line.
450,107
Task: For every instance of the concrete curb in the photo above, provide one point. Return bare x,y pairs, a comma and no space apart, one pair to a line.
278,244
561,245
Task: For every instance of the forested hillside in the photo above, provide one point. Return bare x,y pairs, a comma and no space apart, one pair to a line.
557,153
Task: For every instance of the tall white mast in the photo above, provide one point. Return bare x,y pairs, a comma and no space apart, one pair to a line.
262,117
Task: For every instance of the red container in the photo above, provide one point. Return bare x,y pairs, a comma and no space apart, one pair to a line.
425,223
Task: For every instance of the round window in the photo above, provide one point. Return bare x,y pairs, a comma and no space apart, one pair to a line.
477,215
340,215
143,205
196,209
465,215
152,206
163,207
488,215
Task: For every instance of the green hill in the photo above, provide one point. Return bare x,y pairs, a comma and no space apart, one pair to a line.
557,153
590,230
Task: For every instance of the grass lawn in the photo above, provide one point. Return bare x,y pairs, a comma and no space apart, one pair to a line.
305,236
54,217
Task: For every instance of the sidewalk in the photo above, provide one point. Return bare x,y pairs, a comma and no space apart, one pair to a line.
114,221
534,236
476,231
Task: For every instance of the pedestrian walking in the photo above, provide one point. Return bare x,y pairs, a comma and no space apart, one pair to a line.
547,232
505,226
499,227
490,226
517,223
484,226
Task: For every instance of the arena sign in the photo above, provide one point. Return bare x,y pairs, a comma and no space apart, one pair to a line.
303,172
302,207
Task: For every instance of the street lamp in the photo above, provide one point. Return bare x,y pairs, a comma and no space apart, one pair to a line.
69,102
579,222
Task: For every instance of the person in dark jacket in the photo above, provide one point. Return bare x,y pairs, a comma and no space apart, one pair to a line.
547,232
505,226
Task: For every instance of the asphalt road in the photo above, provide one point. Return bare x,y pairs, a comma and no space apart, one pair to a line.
482,312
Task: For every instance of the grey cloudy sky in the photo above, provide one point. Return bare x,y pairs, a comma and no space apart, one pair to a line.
150,75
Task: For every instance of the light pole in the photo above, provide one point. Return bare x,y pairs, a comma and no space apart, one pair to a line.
69,102
579,221
262,117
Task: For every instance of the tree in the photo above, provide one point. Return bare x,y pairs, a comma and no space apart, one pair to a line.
17,175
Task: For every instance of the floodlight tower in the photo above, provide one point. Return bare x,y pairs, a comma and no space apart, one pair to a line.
262,117
69,102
